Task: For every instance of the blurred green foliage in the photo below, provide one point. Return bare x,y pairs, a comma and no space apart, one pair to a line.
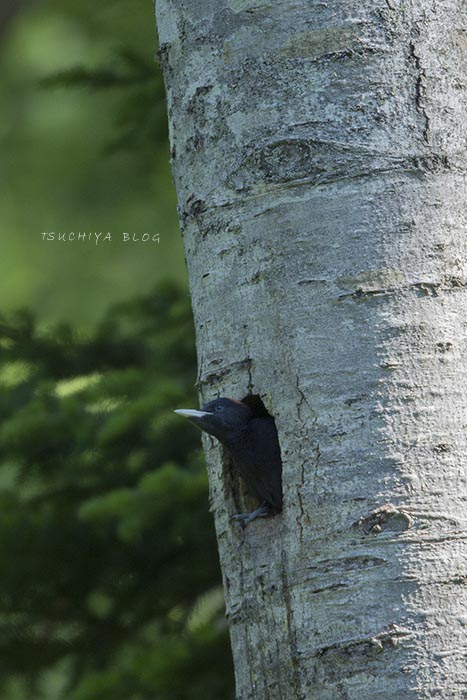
110,582
83,148
110,585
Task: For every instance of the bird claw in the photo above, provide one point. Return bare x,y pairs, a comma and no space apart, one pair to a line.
245,518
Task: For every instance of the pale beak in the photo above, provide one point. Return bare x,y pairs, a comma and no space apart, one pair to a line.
192,413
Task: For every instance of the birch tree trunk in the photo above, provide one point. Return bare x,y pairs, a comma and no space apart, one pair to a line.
319,155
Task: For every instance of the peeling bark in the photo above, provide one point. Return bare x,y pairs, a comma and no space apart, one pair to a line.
319,154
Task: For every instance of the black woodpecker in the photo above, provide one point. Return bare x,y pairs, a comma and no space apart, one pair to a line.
253,445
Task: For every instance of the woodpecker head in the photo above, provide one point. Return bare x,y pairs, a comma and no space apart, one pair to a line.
221,417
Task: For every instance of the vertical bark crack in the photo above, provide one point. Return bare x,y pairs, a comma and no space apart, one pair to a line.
420,90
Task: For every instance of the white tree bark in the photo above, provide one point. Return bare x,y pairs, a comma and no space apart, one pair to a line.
319,155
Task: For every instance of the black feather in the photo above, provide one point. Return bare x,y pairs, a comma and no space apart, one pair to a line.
252,444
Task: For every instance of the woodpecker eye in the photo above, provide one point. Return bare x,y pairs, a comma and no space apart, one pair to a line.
219,408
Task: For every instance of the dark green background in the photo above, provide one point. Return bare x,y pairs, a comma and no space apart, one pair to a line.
92,156
110,585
